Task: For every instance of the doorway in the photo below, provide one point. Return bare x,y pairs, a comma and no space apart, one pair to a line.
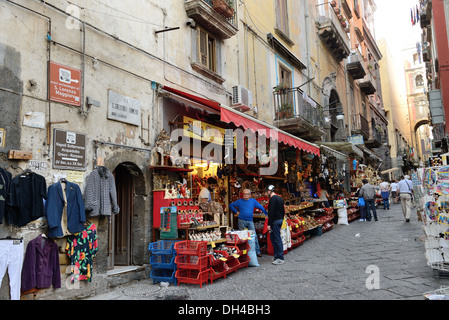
122,222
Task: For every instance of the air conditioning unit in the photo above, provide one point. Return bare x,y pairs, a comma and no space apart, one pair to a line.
242,99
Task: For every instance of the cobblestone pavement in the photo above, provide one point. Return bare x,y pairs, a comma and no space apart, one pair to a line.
334,266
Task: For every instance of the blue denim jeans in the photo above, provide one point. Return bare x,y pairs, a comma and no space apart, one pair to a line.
370,206
362,212
244,224
276,240
385,198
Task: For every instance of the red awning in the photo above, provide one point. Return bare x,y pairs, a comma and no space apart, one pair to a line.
202,101
228,116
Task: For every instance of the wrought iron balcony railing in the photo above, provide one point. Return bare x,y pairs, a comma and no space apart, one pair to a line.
292,103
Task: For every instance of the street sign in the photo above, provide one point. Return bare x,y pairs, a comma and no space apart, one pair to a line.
65,84
356,139
69,150
124,109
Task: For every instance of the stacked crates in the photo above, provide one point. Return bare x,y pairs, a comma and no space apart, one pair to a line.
219,268
192,262
162,260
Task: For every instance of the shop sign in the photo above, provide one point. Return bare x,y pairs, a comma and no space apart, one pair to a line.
69,150
124,109
65,84
203,131
356,139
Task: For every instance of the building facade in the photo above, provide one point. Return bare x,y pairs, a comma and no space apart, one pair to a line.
433,21
90,85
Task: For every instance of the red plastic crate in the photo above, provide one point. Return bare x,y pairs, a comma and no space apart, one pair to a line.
218,270
244,261
234,238
192,276
192,262
198,248
233,264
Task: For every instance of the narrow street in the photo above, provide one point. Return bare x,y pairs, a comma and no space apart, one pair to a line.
332,267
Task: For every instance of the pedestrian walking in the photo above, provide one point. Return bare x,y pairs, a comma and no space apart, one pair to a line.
244,208
276,213
361,204
394,190
405,188
385,188
368,192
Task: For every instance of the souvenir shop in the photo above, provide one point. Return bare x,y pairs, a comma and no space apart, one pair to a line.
195,235
431,198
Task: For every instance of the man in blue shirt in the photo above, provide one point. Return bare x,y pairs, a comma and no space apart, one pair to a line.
244,208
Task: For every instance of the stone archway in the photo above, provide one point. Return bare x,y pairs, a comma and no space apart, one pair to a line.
133,166
332,108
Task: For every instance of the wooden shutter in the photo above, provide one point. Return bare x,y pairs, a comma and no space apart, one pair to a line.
202,44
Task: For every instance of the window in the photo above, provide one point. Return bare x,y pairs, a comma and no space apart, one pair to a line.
419,81
285,78
282,17
206,50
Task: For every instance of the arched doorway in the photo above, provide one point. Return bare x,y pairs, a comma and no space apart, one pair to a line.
335,110
122,222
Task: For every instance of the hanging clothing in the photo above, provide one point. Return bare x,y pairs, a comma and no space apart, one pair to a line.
5,185
64,209
11,258
82,248
28,191
100,194
41,265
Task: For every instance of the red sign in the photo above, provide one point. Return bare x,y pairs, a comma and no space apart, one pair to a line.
65,84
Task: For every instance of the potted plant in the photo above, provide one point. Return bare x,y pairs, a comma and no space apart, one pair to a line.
224,7
333,3
281,87
287,110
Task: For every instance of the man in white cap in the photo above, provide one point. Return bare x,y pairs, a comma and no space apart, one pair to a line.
276,213
405,189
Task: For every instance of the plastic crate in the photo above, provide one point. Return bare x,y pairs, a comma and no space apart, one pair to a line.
192,262
163,275
234,238
243,261
218,270
242,248
163,261
162,247
192,276
198,248
233,264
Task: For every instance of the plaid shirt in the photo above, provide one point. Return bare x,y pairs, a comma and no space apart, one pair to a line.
100,195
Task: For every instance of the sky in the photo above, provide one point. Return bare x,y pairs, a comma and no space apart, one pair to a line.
393,22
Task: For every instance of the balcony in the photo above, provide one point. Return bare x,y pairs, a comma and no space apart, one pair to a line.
331,31
359,125
375,140
216,21
426,54
355,65
368,84
298,114
425,13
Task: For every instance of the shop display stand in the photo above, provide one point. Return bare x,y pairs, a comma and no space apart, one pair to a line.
162,261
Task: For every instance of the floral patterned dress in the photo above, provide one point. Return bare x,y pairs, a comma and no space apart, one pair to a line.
82,248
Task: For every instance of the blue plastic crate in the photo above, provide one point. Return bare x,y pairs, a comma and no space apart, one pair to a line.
163,247
164,275
163,261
